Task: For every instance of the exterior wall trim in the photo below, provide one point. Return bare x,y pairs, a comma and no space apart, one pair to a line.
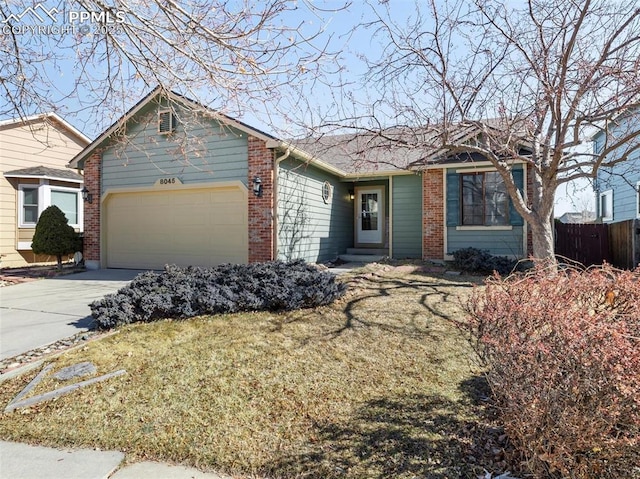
484,228
175,187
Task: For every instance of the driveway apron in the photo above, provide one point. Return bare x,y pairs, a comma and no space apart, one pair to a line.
38,313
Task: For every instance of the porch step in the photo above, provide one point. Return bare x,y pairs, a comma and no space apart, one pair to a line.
361,258
368,251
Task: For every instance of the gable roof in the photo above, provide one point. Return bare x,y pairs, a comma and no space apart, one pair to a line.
45,172
51,118
171,96
391,150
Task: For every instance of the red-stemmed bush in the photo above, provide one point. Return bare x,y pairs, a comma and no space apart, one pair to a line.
562,351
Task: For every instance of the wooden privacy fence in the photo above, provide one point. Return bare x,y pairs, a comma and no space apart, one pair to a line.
589,244
624,240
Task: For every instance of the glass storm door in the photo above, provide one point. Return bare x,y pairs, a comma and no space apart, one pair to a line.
369,216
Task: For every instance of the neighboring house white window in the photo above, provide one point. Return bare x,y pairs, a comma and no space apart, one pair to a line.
606,205
598,146
166,122
485,201
34,199
29,206
67,201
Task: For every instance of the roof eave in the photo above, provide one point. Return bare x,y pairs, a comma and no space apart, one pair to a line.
46,116
305,156
44,177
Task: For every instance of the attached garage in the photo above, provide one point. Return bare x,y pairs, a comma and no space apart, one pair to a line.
186,227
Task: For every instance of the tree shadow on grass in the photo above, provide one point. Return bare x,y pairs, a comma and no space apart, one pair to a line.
426,436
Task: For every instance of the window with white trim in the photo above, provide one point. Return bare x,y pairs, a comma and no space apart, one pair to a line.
29,205
606,205
67,201
34,199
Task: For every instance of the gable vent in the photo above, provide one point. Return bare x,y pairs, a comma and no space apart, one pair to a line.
166,122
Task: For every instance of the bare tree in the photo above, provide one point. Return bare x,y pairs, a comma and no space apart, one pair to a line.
102,56
535,78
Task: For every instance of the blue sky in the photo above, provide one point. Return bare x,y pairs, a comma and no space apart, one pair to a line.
329,15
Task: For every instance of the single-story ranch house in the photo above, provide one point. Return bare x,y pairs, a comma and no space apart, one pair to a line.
173,182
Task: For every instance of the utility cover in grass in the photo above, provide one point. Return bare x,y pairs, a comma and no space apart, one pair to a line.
77,370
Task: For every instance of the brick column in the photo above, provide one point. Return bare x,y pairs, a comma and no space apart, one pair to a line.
92,212
260,213
432,215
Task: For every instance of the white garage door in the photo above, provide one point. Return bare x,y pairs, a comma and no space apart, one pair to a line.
201,227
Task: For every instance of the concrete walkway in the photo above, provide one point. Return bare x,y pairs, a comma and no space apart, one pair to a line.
37,313
36,462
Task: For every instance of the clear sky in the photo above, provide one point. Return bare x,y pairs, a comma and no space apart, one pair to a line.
336,21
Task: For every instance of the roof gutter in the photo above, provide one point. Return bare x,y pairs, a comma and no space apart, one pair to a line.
304,156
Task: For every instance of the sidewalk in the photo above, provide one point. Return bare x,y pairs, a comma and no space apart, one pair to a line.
36,462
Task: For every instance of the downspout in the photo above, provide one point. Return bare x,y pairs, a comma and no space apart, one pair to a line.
390,232
276,163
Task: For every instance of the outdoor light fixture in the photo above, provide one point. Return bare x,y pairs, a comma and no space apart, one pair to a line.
86,195
352,196
257,186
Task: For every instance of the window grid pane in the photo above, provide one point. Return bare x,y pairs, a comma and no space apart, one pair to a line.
369,221
496,200
30,205
472,204
67,201
485,201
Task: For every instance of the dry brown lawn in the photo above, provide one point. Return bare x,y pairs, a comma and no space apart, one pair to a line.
379,384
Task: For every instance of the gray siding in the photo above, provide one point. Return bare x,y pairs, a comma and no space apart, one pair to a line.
200,150
503,243
407,216
309,228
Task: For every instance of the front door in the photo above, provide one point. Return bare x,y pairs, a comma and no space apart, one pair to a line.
369,216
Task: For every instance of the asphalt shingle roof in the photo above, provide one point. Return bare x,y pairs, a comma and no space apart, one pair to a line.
40,171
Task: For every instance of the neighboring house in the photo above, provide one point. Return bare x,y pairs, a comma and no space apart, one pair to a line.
577,217
222,191
34,153
617,188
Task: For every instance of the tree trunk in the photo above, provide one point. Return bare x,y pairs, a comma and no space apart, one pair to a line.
543,242
59,258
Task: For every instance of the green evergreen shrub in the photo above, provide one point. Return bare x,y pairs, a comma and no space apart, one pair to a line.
53,235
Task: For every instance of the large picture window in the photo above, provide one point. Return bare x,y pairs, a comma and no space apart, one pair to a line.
67,201
485,201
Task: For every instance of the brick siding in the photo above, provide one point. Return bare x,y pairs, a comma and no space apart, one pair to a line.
260,209
92,210
432,215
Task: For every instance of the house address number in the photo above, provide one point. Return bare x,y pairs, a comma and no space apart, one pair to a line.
168,181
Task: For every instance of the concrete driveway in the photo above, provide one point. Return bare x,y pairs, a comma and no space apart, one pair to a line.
38,313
